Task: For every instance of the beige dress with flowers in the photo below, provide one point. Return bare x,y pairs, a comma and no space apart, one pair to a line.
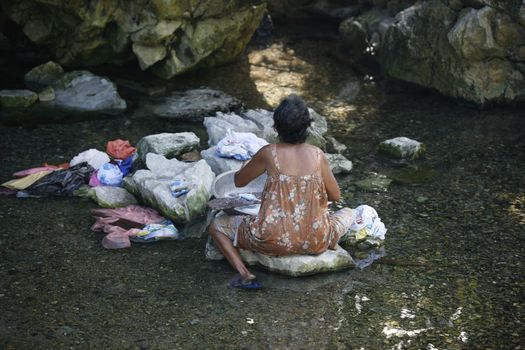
293,218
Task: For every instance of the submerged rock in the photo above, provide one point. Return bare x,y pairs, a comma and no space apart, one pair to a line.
17,98
191,105
111,197
167,144
43,75
334,146
153,187
86,92
374,183
169,36
402,147
339,164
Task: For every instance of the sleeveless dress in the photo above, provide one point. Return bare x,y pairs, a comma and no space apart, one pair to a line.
293,218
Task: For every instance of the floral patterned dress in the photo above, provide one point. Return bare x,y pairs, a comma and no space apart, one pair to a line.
293,218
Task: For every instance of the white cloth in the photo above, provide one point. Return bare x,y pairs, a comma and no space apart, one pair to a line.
239,145
368,220
93,157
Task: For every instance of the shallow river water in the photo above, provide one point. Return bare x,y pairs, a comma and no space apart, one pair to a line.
453,278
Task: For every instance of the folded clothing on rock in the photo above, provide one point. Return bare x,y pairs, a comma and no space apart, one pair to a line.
93,157
121,223
239,145
110,175
179,188
119,149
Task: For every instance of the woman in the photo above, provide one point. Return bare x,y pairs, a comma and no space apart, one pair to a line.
294,217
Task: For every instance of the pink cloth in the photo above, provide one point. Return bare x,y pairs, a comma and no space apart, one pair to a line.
93,180
30,171
122,223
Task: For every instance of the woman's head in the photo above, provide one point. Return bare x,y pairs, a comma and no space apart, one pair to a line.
291,120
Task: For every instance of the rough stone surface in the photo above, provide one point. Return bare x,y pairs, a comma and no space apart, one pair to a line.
86,92
169,36
402,147
301,265
374,183
44,75
293,265
334,146
218,164
339,164
260,122
167,144
47,94
111,197
191,105
17,98
472,53
153,187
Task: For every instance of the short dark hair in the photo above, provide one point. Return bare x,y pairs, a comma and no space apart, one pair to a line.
291,119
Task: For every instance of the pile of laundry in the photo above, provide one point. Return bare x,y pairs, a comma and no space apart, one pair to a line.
367,230
91,167
95,168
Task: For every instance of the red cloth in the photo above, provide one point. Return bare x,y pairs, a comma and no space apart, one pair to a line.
119,149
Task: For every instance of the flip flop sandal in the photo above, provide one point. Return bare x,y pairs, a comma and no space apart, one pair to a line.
237,282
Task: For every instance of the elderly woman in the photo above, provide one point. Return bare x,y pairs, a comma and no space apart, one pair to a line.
293,218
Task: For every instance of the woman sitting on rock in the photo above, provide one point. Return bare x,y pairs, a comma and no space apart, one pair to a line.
293,218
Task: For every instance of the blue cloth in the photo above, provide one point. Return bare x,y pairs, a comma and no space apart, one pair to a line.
125,165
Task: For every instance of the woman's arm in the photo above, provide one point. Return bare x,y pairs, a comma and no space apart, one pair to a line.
255,167
332,188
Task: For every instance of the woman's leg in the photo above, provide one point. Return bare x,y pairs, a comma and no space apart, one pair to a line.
340,223
225,245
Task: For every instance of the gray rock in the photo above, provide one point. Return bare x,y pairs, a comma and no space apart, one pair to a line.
260,122
218,126
43,75
17,98
167,144
338,163
301,265
402,147
153,187
218,164
111,197
466,50
334,146
46,95
191,105
86,92
374,183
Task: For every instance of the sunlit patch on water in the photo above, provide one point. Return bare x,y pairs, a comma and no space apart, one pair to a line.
517,208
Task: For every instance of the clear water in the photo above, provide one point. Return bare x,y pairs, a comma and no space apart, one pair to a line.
454,278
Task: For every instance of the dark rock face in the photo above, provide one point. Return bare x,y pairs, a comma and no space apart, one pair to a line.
472,50
171,36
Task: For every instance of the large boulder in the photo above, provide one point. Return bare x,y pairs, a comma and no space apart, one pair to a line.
169,145
152,185
473,53
85,92
169,36
191,105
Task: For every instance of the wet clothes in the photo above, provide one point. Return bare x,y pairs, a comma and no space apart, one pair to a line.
62,182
